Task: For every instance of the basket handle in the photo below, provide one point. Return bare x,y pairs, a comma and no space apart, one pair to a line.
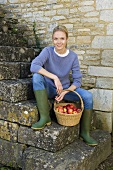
82,104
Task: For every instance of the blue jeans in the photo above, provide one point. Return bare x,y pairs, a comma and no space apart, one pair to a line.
39,83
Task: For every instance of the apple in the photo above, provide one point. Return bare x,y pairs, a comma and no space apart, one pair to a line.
68,106
74,112
71,106
78,110
65,109
70,111
74,109
59,108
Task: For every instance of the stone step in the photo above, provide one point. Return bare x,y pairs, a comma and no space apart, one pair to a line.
51,138
16,54
14,70
23,113
16,90
75,156
15,122
16,40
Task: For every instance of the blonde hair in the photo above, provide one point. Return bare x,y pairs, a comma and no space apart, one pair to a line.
60,28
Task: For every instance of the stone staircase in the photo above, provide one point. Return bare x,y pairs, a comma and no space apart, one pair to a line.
55,147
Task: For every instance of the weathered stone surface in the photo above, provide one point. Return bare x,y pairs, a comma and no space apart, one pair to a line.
16,54
8,130
109,29
105,83
14,70
76,156
51,138
106,15
105,4
100,71
25,70
9,70
103,99
12,40
103,120
11,153
16,90
103,41
24,112
107,58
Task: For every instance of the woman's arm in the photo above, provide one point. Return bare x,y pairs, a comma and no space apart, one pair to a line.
62,94
56,80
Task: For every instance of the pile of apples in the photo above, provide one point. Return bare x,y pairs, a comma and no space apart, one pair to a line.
68,109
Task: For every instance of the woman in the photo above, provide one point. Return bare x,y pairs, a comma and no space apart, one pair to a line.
51,75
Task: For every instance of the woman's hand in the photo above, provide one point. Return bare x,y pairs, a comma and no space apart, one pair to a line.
58,85
61,96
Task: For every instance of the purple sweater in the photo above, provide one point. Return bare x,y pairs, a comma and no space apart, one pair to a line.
60,66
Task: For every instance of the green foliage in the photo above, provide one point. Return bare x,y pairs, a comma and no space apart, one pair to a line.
35,35
110,168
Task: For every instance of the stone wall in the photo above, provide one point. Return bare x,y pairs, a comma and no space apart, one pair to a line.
90,25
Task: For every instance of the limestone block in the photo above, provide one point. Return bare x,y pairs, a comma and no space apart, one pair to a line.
16,90
103,41
106,83
106,15
3,1
103,120
110,29
76,156
86,8
25,70
11,153
100,71
24,113
51,138
104,4
91,60
103,99
8,131
9,70
14,70
83,39
107,58
12,40
16,54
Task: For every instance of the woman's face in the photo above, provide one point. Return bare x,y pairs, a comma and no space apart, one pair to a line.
60,41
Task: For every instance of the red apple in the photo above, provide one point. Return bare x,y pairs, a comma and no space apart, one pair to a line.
61,110
74,109
78,110
71,106
68,106
70,111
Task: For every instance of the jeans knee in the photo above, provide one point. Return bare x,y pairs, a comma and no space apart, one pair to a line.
88,100
38,81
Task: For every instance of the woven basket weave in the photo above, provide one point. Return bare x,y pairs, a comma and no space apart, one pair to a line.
68,119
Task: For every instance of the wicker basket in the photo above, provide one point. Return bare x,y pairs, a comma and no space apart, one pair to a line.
68,119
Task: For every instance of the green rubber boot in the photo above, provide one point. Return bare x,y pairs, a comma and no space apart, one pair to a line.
43,108
85,124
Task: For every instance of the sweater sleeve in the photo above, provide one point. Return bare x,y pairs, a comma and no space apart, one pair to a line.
76,74
39,61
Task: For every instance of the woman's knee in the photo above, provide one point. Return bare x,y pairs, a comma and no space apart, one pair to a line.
88,98
38,81
37,78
